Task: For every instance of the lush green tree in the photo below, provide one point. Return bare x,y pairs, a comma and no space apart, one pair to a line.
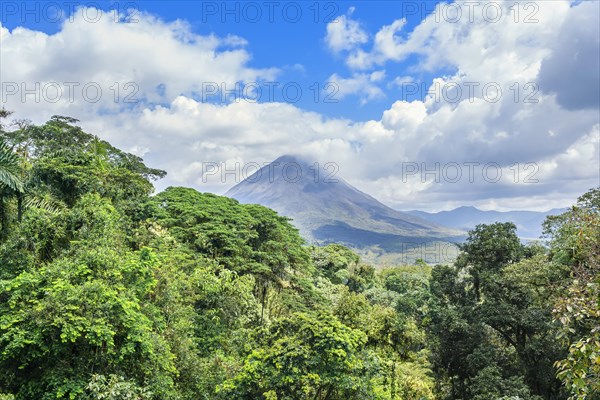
493,308
115,387
10,182
109,292
59,162
304,356
411,283
575,243
360,277
396,341
334,259
487,249
83,313
9,164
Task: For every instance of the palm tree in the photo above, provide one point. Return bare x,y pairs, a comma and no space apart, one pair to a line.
9,167
9,181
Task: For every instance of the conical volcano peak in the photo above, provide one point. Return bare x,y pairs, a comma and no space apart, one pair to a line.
292,158
327,208
291,169
297,168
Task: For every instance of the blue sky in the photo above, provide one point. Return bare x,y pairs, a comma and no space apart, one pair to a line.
389,91
285,35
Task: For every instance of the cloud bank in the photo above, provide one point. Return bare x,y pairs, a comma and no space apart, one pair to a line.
532,112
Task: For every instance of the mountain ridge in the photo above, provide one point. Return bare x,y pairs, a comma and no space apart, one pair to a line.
529,223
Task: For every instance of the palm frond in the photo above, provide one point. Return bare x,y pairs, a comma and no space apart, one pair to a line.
46,202
9,167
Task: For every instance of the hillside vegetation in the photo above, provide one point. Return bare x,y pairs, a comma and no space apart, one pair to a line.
110,292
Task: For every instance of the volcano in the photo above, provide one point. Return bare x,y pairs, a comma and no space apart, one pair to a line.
327,209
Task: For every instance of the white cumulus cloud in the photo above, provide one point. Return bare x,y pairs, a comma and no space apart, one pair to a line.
175,130
344,33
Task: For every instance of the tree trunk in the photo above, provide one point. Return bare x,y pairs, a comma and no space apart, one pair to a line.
477,286
19,207
263,300
393,382
3,220
329,391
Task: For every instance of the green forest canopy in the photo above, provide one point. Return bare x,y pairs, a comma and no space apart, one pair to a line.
110,292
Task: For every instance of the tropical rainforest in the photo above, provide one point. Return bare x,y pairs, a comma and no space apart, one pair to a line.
111,291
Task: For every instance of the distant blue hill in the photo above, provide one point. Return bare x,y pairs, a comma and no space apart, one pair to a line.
529,223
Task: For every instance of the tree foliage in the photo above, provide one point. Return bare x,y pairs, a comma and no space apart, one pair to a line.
575,239
110,292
